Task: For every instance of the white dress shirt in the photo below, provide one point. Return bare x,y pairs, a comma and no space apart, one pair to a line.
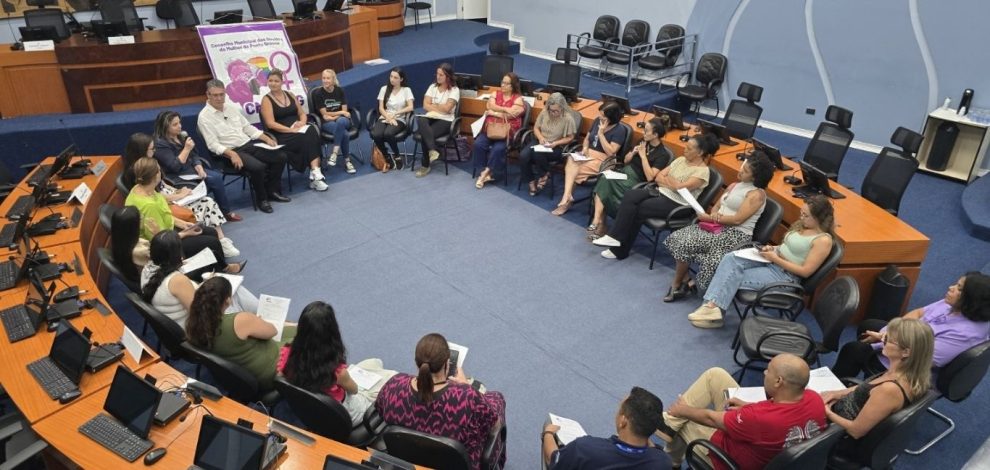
227,129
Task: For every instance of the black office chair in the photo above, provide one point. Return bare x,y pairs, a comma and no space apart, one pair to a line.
709,75
597,43
239,384
231,175
666,51
569,147
324,415
565,73
636,39
497,63
106,215
372,117
762,338
443,142
353,132
682,216
891,172
516,141
123,10
955,382
416,7
106,259
742,116
828,147
768,222
810,454
262,9
185,14
169,333
14,428
433,451
52,17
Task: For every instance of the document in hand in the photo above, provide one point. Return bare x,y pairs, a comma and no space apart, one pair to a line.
569,429
190,177
823,380
747,394
267,147
302,130
691,200
614,175
274,310
235,279
199,192
200,260
457,355
751,254
363,378
476,126
579,157
542,148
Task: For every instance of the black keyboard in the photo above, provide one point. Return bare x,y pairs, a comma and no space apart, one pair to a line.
8,274
7,234
50,377
40,173
16,322
107,432
20,208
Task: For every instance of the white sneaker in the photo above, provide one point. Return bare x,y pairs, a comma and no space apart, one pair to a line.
229,250
705,313
606,241
607,254
332,161
434,155
349,167
318,185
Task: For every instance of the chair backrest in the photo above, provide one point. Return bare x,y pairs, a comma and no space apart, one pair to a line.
635,33
741,119
834,307
320,412
568,75
888,178
768,222
425,449
169,333
106,259
494,68
121,186
715,183
48,17
627,143
566,55
832,261
879,447
670,42
121,10
909,141
711,69
185,14
957,379
606,29
239,384
498,46
106,215
262,9
828,147
812,453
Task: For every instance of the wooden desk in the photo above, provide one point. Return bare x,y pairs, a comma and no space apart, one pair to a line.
30,83
390,14
473,108
60,431
362,22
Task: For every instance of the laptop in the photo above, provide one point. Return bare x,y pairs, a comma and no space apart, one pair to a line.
333,462
130,407
334,5
59,372
674,118
226,446
771,152
815,182
23,321
718,130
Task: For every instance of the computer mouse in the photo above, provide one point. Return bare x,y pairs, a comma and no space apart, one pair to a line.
154,455
69,396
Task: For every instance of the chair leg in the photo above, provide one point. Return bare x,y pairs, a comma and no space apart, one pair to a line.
941,417
656,242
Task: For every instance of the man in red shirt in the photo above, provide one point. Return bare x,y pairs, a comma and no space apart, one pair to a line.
750,433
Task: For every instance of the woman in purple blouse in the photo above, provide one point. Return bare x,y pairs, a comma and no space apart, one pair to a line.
441,404
960,321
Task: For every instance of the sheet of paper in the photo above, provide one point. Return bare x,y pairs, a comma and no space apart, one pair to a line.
461,353
200,260
614,175
530,100
542,148
199,192
751,254
431,115
267,147
691,200
190,177
364,379
99,168
484,96
747,394
81,194
569,429
476,126
823,380
274,310
132,344
578,157
376,61
302,130
235,279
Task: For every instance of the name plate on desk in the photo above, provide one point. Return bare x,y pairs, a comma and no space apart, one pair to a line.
99,168
81,194
114,40
46,45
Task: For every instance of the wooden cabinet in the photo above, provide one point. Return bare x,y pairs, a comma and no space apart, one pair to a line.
967,153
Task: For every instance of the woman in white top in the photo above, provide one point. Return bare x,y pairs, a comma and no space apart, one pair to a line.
168,290
440,103
395,103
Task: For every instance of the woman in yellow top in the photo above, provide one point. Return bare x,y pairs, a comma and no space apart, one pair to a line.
156,216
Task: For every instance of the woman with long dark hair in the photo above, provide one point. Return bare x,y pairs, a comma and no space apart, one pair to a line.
243,337
603,141
130,251
395,105
439,102
316,360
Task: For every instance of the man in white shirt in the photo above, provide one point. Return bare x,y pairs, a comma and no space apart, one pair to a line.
228,134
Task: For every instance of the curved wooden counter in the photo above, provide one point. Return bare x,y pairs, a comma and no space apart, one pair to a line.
391,15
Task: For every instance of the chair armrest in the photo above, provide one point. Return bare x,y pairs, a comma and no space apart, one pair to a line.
747,244
806,355
680,78
373,421
713,449
781,292
314,118
455,127
683,216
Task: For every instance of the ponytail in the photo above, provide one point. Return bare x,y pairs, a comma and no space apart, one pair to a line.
432,354
425,383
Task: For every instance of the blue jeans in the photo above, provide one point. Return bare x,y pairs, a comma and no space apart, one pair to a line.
214,184
338,128
488,153
735,273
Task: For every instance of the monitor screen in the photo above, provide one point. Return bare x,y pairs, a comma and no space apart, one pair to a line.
227,16
621,101
467,81
70,351
39,33
674,119
718,130
570,94
771,152
333,5
62,160
104,29
333,462
132,401
227,446
303,8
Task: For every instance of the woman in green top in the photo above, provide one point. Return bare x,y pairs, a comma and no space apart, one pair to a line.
156,216
243,337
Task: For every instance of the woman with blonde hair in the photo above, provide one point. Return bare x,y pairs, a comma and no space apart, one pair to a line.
329,100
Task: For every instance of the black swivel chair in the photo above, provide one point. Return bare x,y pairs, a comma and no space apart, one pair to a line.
439,452
515,142
496,63
742,116
169,333
353,132
416,7
448,140
564,72
682,216
185,14
596,44
122,10
239,384
52,17
636,39
891,172
372,117
324,415
227,170
828,147
262,9
709,75
810,454
666,50
768,222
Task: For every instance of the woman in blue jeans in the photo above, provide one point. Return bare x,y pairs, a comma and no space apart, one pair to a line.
505,105
804,249
330,102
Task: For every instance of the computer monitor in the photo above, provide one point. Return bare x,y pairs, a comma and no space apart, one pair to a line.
223,445
303,9
20,226
674,119
104,29
70,351
718,130
816,182
228,17
333,462
132,401
62,160
570,94
333,5
467,81
771,152
45,17
622,101
526,87
39,33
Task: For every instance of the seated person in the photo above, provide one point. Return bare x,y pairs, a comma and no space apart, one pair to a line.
130,252
331,103
228,134
395,105
642,163
908,346
243,337
316,361
178,157
730,222
437,403
604,141
554,129
170,291
506,106
689,172
750,433
959,321
804,249
439,102
284,119
155,217
630,448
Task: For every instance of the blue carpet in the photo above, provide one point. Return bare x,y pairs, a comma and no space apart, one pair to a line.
976,210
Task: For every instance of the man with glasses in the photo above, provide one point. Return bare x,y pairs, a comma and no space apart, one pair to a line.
228,134
749,433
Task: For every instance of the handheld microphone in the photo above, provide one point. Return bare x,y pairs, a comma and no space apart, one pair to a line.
183,136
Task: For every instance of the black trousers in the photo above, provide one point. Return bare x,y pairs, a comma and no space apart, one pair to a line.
383,132
206,240
857,357
264,168
530,160
637,205
429,129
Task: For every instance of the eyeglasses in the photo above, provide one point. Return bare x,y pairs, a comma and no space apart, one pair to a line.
886,341
216,95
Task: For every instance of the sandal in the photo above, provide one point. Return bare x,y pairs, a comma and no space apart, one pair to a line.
674,295
482,179
542,183
596,231
240,267
532,188
562,208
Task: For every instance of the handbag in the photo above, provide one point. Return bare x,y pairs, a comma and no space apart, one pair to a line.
377,159
711,227
498,130
182,213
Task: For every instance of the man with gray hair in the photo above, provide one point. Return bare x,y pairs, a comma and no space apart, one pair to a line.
228,134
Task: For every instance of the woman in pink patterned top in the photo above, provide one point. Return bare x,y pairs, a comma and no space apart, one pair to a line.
442,405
